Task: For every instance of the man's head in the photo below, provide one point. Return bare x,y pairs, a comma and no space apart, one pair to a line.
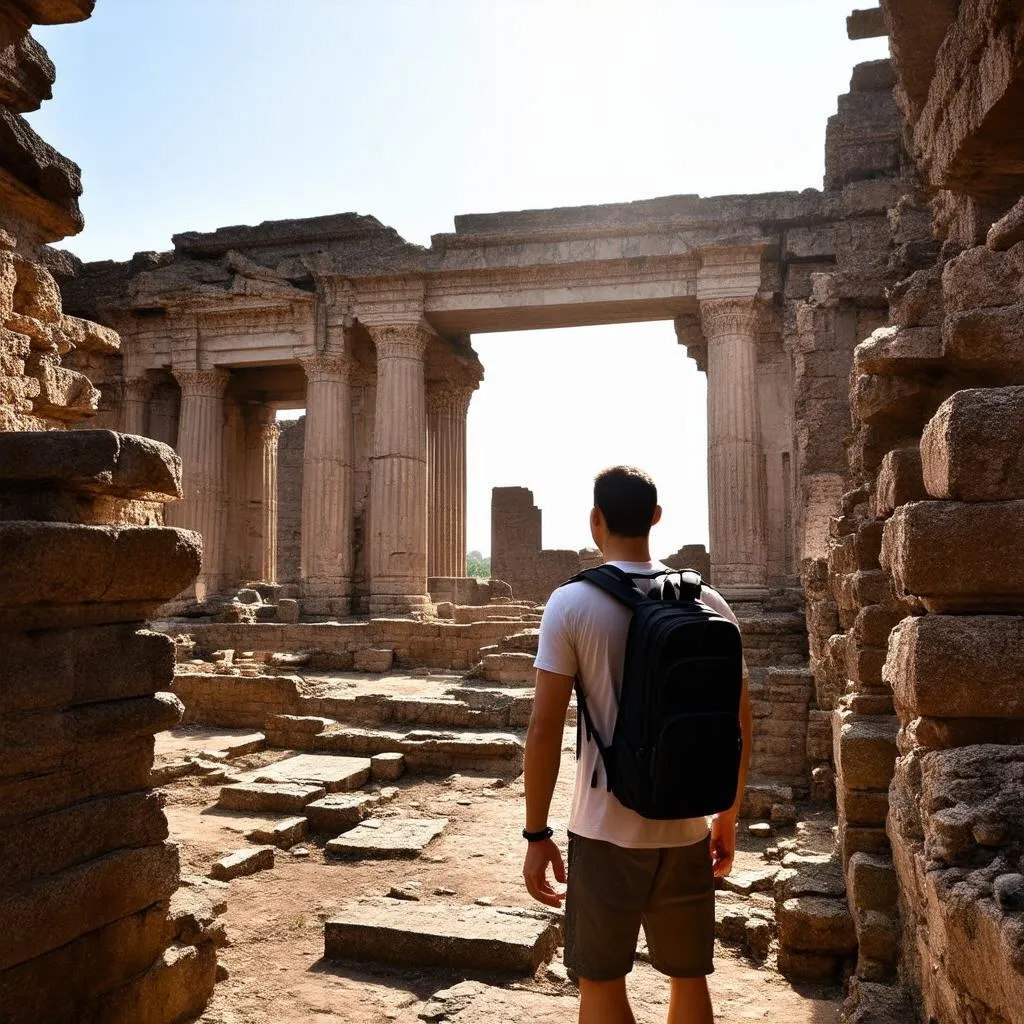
625,504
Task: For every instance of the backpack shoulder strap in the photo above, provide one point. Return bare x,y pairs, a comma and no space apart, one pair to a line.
614,582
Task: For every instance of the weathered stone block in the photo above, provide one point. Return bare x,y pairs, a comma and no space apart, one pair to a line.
899,350
989,339
872,883
374,659
258,796
387,839
288,609
971,448
951,666
243,862
865,750
900,480
816,924
332,772
56,909
281,834
957,556
873,624
437,934
387,767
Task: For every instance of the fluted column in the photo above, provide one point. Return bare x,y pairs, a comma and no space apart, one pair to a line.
135,405
398,472
203,507
447,406
270,435
736,482
261,437
326,568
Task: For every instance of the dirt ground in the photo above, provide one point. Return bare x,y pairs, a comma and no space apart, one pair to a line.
276,970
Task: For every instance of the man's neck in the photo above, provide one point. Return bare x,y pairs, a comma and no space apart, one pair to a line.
626,549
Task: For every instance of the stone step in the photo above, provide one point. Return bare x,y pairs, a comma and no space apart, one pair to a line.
524,642
267,796
336,774
386,839
445,710
430,752
338,812
393,931
509,668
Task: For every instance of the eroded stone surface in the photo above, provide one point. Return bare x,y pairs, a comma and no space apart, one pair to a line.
387,838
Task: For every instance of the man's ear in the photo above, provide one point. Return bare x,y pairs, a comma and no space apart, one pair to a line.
656,518
596,519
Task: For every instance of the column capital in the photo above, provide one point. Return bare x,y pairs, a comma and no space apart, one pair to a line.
728,317
201,383
449,396
400,340
137,389
326,367
270,433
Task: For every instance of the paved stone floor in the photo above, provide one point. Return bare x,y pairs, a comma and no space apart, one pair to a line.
275,918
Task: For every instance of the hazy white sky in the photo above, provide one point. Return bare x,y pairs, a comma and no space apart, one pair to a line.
192,114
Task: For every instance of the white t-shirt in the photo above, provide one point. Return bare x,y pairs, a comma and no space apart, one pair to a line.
583,631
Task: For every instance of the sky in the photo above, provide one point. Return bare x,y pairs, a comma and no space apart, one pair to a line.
194,114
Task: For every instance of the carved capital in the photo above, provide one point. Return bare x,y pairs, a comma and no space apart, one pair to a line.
137,389
400,341
449,398
326,367
720,317
270,434
201,383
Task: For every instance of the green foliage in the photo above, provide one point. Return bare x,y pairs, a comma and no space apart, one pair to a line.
477,565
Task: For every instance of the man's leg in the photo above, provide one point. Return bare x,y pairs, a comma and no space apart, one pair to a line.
605,1002
690,1002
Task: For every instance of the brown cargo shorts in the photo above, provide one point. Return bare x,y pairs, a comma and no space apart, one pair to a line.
612,890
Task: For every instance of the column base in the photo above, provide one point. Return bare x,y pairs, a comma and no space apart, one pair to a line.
389,605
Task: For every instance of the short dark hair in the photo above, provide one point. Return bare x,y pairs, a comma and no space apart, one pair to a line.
627,499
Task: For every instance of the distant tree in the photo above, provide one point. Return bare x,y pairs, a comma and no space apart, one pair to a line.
477,565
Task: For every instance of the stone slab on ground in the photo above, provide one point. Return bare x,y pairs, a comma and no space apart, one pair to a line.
387,767
284,797
388,839
243,862
442,934
336,773
472,1002
338,812
281,834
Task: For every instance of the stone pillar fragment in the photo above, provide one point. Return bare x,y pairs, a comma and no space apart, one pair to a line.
262,434
398,472
135,407
327,488
736,481
447,406
201,449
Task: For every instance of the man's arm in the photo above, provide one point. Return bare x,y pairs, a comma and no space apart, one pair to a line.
542,758
723,826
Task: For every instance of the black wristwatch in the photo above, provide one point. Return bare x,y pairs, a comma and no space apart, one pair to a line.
538,837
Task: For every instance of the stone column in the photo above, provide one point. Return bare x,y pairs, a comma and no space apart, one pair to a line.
261,437
201,449
447,406
327,488
135,405
736,483
398,472
269,435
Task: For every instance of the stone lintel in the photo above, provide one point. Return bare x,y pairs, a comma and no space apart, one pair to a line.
731,271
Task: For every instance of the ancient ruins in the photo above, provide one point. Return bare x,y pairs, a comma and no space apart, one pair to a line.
258,726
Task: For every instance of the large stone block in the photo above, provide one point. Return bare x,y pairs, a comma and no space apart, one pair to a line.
971,448
387,839
951,666
957,556
280,797
865,750
816,924
435,934
989,339
335,773
899,480
872,882
56,909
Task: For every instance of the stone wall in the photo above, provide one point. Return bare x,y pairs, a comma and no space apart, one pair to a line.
95,925
914,612
289,501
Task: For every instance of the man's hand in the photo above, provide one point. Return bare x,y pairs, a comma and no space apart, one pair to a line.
535,871
723,843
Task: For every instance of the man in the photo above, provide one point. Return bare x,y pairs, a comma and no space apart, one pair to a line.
623,869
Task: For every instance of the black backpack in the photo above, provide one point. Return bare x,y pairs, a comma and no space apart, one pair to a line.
676,749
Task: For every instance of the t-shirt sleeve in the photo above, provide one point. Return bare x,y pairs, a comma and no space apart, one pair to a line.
713,599
556,650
